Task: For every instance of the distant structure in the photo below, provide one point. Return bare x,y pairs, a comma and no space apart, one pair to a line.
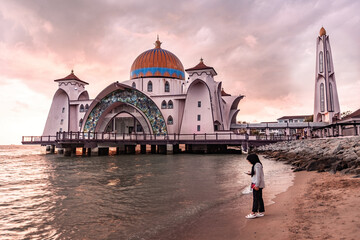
157,99
294,119
326,106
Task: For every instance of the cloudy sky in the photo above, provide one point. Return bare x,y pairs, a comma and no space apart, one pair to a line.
263,49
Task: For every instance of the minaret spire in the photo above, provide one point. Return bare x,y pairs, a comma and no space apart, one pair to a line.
326,102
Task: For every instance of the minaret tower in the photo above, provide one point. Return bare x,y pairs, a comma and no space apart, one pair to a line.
326,107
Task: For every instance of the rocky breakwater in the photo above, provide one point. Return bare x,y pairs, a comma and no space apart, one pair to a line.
329,154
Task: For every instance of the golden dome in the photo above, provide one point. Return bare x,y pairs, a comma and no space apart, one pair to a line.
157,62
322,31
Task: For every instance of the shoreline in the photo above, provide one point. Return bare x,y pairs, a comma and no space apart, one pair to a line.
316,206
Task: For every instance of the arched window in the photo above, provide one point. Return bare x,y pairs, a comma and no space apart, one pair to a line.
170,120
331,98
86,107
163,104
149,87
328,61
81,108
321,62
80,123
61,121
170,105
167,86
133,85
322,98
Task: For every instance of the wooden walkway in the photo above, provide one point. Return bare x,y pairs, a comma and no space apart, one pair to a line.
92,139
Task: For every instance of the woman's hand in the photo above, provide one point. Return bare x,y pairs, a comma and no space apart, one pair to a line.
256,188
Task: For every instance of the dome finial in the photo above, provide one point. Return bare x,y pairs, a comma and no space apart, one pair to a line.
201,60
322,31
158,43
72,71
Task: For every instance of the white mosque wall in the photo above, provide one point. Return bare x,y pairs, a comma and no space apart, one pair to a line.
58,117
198,117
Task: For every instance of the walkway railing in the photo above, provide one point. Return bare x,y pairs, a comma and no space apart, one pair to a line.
62,137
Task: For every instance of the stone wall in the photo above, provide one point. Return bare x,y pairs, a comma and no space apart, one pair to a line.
325,154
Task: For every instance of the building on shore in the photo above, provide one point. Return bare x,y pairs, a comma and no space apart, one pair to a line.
157,99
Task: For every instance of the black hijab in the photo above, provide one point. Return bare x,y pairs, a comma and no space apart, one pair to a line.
253,159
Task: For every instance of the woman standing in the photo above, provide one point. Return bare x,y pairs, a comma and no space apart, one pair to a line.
257,184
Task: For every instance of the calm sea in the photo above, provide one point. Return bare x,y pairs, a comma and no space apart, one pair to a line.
116,197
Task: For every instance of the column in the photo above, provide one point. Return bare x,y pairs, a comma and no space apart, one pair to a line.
169,149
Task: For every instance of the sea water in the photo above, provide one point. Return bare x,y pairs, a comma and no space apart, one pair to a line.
118,197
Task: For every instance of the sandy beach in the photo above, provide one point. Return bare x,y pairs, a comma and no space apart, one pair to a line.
316,206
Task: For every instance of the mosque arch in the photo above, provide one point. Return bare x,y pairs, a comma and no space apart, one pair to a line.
60,108
149,86
82,108
328,61
167,86
331,98
80,122
116,94
163,104
138,119
170,120
83,96
86,107
198,92
322,97
170,104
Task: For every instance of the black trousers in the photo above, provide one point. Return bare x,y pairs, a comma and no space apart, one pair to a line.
258,202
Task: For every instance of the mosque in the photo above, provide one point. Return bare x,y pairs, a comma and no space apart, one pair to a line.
158,99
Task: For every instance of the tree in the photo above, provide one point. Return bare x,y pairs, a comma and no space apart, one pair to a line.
346,113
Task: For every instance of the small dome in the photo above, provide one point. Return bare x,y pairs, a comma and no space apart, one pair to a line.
322,31
157,62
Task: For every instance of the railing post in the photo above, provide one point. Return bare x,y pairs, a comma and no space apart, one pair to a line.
194,136
216,136
70,135
230,136
49,138
205,136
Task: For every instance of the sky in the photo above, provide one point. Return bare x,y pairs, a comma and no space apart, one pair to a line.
262,49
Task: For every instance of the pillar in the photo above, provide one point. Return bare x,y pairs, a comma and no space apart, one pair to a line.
176,148
267,131
88,152
162,149
153,149
308,132
287,131
50,149
340,130
130,149
169,149
248,131
68,151
60,151
95,151
143,149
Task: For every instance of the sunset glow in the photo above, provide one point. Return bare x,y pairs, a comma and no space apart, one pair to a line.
264,50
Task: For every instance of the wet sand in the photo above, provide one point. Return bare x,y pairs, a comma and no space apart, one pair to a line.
316,206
